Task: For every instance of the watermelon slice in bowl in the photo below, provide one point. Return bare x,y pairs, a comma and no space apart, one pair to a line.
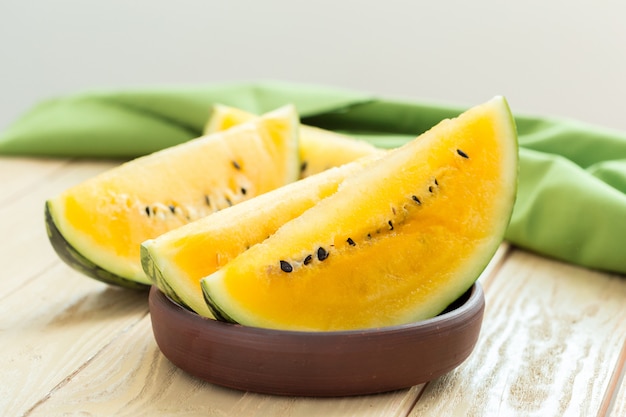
97,226
371,289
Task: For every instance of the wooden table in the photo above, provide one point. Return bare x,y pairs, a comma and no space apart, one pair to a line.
553,340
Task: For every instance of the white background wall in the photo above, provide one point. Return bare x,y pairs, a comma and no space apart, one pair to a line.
549,57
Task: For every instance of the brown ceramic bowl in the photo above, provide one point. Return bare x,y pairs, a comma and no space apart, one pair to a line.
317,363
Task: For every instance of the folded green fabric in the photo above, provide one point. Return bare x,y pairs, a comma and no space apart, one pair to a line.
571,202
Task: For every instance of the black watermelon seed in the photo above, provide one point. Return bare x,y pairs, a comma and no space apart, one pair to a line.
430,188
236,165
172,208
436,183
230,203
322,254
243,191
148,210
351,242
206,200
463,154
286,266
303,166
308,259
417,200
390,225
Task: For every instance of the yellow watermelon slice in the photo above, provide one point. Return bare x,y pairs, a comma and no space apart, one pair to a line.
320,149
398,241
97,226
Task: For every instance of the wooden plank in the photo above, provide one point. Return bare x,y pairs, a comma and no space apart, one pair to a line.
396,403
495,265
52,319
619,407
24,250
551,339
131,377
616,401
52,326
18,174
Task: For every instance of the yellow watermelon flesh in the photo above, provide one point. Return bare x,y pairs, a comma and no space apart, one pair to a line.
177,260
397,242
101,222
320,149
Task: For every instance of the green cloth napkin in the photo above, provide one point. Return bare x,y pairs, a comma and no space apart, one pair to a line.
571,202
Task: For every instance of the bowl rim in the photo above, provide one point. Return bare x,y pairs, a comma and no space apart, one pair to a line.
474,300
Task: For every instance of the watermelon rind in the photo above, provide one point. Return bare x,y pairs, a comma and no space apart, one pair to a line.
80,263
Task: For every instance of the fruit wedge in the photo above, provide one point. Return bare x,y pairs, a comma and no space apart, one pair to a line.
177,260
97,226
398,241
320,149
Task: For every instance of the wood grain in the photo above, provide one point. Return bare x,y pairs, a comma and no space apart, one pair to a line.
616,400
551,338
18,175
52,319
131,377
52,326
25,251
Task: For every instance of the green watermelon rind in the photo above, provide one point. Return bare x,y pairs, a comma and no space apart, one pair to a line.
219,313
156,276
76,260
